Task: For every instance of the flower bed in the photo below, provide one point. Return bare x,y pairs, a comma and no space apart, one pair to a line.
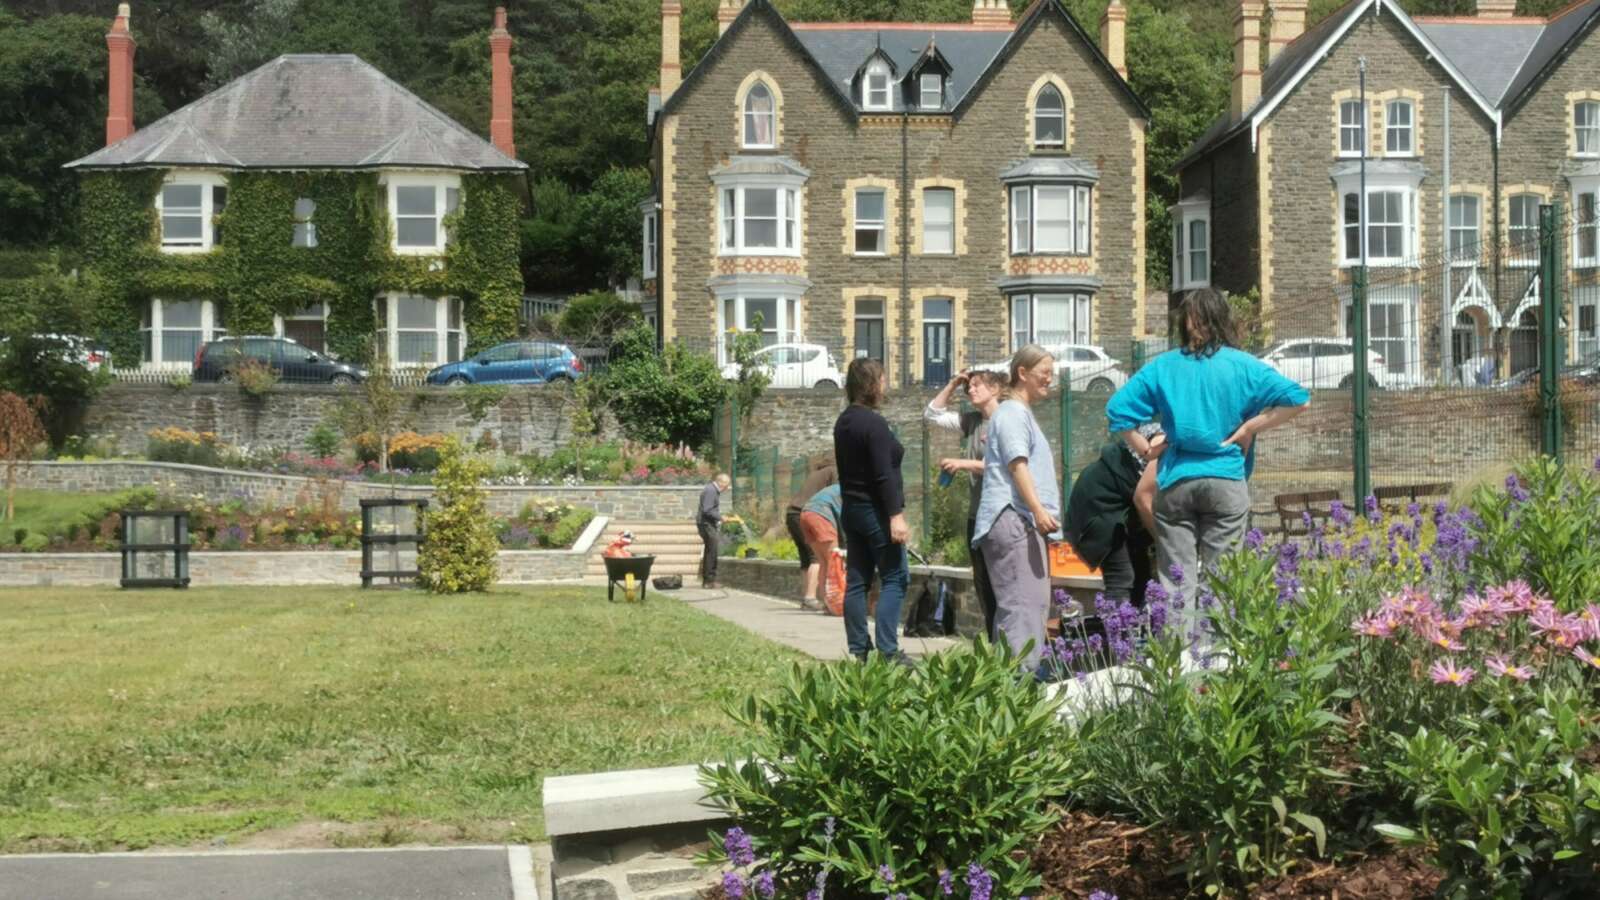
1403,702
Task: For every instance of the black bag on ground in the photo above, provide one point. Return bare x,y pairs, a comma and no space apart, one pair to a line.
932,613
667,582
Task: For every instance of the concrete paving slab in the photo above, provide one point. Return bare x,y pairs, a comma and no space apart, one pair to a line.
783,621
449,873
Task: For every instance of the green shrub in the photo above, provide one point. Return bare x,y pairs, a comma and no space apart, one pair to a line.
33,543
459,554
179,445
324,440
256,379
668,396
929,770
1550,538
569,527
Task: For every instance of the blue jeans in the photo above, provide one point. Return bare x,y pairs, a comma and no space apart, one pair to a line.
869,551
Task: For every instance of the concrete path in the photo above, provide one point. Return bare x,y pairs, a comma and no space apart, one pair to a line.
783,621
446,873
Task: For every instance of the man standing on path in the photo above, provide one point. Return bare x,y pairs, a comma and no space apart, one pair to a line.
709,521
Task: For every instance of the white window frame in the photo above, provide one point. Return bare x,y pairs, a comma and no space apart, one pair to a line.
1585,187
751,129
1585,341
1470,235
882,315
304,224
1405,294
648,259
154,361
207,182
788,222
1059,115
1346,128
443,186
930,83
388,312
1391,131
1526,235
1079,219
1586,129
1199,253
1081,315
878,225
874,82
945,230
788,329
1407,224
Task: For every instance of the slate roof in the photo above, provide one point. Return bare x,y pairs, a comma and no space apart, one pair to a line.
306,111
1503,61
841,51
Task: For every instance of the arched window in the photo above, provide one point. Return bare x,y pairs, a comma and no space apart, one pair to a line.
760,118
1049,118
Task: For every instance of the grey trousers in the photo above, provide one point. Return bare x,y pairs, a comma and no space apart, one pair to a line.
1019,571
1197,521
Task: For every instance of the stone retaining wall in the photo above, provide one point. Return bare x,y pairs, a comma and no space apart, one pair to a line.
627,503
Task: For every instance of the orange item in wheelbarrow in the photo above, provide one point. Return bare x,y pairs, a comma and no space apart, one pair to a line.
1064,561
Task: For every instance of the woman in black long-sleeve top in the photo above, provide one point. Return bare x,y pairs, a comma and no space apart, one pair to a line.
868,456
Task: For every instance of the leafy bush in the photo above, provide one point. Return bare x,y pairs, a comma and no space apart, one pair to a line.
569,527
416,452
181,445
1542,526
668,396
324,440
459,552
864,773
255,378
596,315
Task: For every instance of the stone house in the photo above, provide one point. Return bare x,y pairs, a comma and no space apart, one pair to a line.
1470,123
932,195
312,198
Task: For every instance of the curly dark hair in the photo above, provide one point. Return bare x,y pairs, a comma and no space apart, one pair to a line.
1205,323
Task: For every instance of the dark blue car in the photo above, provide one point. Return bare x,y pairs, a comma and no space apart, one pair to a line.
516,362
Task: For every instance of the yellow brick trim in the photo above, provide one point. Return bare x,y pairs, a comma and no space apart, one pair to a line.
1340,97
891,314
1380,116
891,209
668,269
1573,98
1136,128
960,213
1051,78
750,81
958,322
1264,194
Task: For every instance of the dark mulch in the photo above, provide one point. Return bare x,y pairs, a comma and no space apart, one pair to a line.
1087,853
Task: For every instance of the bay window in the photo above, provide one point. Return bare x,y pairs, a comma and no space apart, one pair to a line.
1051,319
1587,300
938,221
775,317
1391,225
188,207
648,259
870,231
1391,325
1199,252
760,220
417,209
1051,218
171,332
1585,247
421,331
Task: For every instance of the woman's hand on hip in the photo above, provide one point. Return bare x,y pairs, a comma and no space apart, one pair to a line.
899,531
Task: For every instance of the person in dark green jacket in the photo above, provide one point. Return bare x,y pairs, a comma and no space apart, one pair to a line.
1111,516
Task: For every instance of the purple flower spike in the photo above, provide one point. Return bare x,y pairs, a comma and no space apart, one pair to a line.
1102,895
981,881
732,885
1176,571
1514,489
827,827
1254,539
1373,513
765,884
737,845
887,874
947,882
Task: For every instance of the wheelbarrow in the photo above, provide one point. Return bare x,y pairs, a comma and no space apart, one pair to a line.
632,572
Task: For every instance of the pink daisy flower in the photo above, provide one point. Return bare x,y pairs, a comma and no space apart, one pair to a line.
1445,672
1498,667
1435,634
1479,611
1376,625
1587,658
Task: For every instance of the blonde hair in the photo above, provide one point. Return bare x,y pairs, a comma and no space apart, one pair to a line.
1026,358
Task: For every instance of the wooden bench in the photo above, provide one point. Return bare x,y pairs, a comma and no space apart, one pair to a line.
1293,508
1394,498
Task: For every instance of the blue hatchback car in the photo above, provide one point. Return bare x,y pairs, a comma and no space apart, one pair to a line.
516,362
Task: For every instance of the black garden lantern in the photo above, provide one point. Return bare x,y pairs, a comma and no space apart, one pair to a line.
155,548
391,534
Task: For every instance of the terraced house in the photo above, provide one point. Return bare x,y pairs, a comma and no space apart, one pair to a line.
1469,124
930,195
312,198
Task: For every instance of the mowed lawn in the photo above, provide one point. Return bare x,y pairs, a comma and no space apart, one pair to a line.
296,716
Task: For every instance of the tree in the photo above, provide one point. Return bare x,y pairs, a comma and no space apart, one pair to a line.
20,432
665,397
593,318
459,552
379,413
610,216
39,356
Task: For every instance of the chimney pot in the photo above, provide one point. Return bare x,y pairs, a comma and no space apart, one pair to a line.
501,133
991,12
119,77
1246,58
1288,23
1497,9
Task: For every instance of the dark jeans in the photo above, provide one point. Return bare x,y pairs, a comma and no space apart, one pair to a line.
1126,570
791,521
869,551
980,581
710,535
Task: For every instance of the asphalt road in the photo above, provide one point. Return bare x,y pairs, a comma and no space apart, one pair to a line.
452,873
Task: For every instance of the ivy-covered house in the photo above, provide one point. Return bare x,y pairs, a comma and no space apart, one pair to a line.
312,198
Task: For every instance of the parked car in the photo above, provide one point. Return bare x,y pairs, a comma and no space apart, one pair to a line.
216,361
1091,368
514,362
71,348
1586,372
1324,362
794,366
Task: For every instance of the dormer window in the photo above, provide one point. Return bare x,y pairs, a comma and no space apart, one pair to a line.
931,91
1049,118
760,118
875,87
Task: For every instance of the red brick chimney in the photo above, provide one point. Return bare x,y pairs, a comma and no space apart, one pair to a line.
119,109
500,87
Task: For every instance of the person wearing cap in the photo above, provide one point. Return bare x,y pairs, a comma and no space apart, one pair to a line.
619,547
1111,515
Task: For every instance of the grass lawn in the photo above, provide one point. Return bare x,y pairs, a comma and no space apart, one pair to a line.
307,717
50,512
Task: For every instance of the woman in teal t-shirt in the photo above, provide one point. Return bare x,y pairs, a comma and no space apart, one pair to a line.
1212,401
